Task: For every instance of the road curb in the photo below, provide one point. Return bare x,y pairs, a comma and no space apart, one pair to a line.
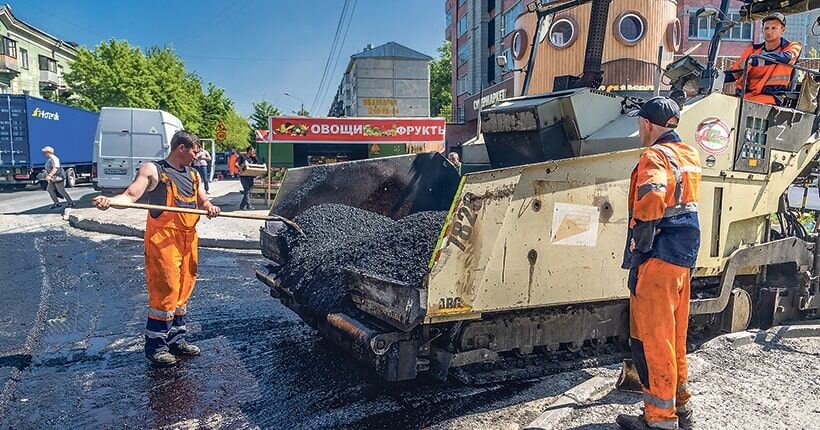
127,230
567,403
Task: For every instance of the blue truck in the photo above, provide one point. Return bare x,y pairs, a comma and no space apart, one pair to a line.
27,124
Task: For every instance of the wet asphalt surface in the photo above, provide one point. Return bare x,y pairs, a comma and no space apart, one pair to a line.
71,350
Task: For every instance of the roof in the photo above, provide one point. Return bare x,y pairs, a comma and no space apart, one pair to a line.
391,50
8,18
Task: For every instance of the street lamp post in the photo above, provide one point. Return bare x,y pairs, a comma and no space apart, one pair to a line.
302,103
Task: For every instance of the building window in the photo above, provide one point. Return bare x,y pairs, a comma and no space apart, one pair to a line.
463,53
630,28
563,32
704,28
48,64
462,25
508,20
448,18
461,85
9,47
491,68
23,58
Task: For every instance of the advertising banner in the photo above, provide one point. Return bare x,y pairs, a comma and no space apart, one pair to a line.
297,129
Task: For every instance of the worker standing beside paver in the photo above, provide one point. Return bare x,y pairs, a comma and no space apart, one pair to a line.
661,248
170,244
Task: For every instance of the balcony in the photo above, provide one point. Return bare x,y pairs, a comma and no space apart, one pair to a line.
49,79
8,64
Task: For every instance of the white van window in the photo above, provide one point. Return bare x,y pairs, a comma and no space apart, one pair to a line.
115,145
148,145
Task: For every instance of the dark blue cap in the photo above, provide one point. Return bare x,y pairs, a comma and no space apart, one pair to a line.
659,111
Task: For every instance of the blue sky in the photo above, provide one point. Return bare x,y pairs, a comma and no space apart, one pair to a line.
255,49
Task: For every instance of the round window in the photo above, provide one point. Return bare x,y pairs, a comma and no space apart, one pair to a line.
631,28
563,33
674,34
519,44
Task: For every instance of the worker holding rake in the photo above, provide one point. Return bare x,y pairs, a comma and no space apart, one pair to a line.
170,244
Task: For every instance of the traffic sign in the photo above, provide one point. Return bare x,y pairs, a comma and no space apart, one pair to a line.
221,135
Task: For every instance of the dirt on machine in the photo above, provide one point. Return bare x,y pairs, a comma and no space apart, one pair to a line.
413,269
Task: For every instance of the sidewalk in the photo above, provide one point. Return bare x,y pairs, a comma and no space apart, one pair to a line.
213,233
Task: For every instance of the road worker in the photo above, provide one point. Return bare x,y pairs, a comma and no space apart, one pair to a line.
767,81
661,249
170,244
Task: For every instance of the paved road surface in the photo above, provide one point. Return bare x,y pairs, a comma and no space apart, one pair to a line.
33,200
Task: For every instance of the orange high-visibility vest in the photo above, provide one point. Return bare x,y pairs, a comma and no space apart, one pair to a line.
766,80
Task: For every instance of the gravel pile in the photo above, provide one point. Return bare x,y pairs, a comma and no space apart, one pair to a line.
339,236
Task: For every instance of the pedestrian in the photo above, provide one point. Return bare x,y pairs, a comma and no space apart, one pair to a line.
249,157
170,244
454,160
661,248
202,162
232,169
55,177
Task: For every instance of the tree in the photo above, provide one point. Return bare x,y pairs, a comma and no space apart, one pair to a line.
441,77
113,74
262,110
302,112
238,130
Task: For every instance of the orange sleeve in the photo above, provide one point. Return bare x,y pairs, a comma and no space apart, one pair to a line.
652,180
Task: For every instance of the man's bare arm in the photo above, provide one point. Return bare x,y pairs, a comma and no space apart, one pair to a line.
146,180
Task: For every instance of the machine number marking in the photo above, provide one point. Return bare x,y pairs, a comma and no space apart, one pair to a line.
467,216
779,135
450,303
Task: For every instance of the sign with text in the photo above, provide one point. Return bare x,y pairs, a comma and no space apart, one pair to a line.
489,96
298,129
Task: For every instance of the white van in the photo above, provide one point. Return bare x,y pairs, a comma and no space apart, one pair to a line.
125,139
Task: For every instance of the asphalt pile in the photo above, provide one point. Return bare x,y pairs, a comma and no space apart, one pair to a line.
339,237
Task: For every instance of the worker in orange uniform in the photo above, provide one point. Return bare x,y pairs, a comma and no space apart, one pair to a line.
232,157
766,81
170,244
661,249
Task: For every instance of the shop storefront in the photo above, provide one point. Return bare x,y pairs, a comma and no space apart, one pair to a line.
304,141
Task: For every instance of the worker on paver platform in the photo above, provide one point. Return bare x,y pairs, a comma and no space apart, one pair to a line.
766,82
661,249
170,244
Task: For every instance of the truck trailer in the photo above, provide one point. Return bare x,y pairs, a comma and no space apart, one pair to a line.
27,124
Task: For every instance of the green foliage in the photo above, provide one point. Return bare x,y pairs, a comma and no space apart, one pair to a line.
441,75
262,110
238,131
117,74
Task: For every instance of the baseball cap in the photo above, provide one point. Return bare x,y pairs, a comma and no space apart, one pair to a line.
659,111
775,15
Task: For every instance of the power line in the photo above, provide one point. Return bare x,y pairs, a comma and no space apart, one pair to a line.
329,61
207,26
340,50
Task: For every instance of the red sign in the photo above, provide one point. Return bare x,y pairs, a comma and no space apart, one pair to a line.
298,129
262,136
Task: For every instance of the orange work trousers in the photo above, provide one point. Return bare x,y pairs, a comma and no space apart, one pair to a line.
658,321
171,257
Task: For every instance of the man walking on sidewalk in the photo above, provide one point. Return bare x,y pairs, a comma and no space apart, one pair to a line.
661,249
170,245
249,157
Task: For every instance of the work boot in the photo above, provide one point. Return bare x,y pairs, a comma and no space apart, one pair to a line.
161,359
184,348
686,420
633,422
